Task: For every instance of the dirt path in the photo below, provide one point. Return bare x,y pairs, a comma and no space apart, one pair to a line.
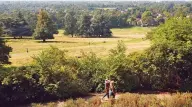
96,95
92,95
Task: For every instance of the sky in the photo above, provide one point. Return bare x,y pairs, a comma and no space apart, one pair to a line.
95,0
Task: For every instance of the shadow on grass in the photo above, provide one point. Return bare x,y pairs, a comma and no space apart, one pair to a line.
55,42
11,38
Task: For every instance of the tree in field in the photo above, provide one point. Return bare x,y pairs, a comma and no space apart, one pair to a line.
70,23
45,27
100,25
20,18
20,21
84,25
4,50
31,19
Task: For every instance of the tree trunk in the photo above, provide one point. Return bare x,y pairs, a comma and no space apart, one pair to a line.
72,35
43,40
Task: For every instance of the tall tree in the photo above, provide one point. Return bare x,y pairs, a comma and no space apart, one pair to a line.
4,50
31,19
70,23
45,26
20,18
100,25
85,24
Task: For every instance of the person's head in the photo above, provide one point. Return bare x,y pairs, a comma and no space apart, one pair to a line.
106,79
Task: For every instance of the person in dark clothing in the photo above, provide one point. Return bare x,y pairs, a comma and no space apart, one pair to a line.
107,86
112,91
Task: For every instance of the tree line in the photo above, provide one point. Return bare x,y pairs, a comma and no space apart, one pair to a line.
20,18
96,25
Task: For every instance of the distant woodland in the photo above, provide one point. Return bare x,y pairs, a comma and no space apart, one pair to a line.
87,18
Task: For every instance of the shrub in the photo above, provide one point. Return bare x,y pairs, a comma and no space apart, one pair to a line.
49,78
57,76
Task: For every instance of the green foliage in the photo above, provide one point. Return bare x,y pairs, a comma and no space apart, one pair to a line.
31,19
165,65
100,26
147,18
4,50
85,23
170,53
45,27
51,77
57,75
15,25
118,69
20,85
92,70
175,30
70,23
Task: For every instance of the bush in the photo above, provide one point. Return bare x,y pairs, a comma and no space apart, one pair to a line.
57,75
49,78
20,86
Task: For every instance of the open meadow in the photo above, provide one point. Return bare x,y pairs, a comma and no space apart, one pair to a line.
25,49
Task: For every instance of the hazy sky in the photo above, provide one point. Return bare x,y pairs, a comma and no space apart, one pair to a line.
95,0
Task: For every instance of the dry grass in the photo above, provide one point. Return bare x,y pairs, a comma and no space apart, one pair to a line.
128,100
133,32
132,37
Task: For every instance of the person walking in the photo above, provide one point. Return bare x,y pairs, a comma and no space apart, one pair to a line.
107,86
112,91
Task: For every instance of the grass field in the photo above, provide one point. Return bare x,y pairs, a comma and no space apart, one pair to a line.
125,100
133,32
132,37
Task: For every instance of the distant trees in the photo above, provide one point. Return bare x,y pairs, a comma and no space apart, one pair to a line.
70,23
45,27
4,50
15,24
72,18
148,19
31,19
100,25
87,25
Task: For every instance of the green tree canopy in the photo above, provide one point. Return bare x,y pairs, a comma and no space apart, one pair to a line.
70,23
84,25
147,18
45,27
100,25
178,29
4,50
170,56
